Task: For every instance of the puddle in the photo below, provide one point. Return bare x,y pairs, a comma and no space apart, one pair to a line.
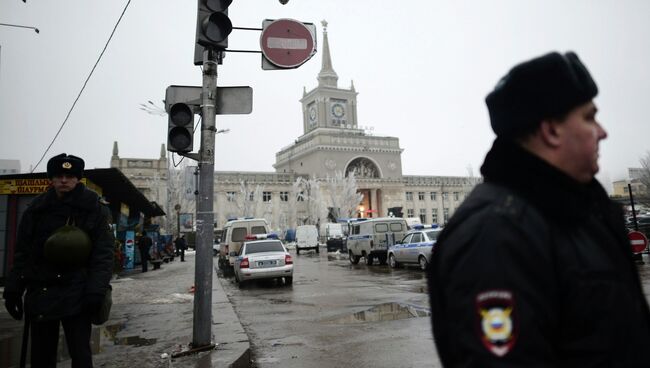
109,334
385,312
100,338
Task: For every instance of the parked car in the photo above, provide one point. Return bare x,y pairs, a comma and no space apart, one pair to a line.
263,259
415,248
332,236
306,238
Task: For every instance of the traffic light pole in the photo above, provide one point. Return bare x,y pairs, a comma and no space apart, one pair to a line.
202,327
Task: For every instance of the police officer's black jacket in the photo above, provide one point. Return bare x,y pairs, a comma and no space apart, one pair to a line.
52,292
535,270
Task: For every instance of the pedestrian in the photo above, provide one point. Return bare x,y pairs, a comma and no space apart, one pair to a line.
535,269
144,246
63,264
181,246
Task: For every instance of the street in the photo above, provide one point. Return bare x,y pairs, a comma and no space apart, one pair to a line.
337,314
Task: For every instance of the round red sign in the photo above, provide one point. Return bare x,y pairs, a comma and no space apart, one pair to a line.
638,241
287,43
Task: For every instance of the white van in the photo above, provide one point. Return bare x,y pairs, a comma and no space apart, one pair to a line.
233,236
306,238
371,238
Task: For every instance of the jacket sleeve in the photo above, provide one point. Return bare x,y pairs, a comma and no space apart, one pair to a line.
493,293
100,267
16,278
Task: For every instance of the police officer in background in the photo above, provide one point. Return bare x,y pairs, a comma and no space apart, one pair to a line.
63,264
144,246
181,246
535,269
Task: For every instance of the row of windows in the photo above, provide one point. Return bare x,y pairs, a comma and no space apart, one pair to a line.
432,195
266,196
410,212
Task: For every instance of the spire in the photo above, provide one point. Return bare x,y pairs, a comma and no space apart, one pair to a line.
327,76
115,151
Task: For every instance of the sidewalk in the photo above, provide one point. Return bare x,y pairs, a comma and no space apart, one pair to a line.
151,318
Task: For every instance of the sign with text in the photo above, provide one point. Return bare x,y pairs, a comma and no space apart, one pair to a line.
26,186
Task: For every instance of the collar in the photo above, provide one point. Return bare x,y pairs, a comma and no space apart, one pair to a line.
553,192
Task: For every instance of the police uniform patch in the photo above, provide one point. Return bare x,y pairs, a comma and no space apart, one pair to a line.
497,323
66,165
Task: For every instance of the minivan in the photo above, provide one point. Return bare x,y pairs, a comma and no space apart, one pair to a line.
370,239
233,236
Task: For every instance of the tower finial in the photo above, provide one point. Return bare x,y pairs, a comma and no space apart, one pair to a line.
327,76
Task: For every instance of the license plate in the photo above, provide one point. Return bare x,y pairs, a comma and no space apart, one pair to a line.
266,263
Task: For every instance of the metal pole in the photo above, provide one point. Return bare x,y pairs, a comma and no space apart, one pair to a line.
629,190
204,210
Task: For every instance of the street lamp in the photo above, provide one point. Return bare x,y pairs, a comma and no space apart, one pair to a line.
178,220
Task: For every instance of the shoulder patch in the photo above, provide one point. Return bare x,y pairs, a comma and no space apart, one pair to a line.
497,324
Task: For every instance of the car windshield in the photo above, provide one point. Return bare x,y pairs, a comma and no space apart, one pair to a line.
267,246
433,235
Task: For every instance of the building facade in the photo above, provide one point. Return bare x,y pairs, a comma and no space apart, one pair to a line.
332,146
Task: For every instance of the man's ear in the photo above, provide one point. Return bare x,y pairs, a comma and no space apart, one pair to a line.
549,132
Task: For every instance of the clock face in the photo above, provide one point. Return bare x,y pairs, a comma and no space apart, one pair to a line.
312,114
338,110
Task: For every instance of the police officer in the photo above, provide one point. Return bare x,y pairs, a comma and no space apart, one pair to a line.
181,246
534,269
63,264
144,245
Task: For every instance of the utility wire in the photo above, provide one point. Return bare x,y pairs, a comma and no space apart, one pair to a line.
83,87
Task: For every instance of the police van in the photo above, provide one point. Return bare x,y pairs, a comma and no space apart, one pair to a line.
233,236
370,239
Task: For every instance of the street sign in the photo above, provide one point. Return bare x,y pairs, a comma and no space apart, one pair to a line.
287,43
230,100
638,241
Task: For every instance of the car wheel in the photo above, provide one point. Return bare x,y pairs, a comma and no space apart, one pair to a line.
369,259
392,262
423,262
317,251
354,259
240,283
288,280
297,250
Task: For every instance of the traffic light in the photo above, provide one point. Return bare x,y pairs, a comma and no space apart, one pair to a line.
180,128
212,24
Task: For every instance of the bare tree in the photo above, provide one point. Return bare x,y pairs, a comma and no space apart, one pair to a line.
343,194
250,199
295,197
644,177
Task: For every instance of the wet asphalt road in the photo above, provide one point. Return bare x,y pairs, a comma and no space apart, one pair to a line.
337,314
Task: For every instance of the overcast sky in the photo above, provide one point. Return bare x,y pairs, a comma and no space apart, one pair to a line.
422,70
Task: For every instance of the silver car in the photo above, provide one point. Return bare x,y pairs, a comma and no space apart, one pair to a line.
263,259
414,248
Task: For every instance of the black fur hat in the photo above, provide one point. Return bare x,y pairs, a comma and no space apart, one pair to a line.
548,86
65,164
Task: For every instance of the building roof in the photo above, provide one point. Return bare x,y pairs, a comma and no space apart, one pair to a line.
115,186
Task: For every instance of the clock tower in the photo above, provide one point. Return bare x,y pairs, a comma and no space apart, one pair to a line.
328,106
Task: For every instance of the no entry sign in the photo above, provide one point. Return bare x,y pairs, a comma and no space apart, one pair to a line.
638,241
287,43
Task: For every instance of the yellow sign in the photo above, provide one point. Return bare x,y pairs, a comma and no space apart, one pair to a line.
25,186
